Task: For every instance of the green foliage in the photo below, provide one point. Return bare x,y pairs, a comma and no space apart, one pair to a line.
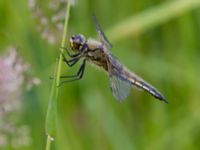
162,46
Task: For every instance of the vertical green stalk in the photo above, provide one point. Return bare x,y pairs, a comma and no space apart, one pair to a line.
51,118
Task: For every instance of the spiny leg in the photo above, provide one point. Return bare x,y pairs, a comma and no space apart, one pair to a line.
77,76
69,54
71,62
78,54
73,59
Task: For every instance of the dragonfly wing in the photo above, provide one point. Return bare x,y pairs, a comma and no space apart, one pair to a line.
120,88
115,67
101,34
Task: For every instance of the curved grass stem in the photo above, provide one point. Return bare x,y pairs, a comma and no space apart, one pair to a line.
51,118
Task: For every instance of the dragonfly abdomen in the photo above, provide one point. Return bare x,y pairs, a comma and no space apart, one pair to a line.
138,82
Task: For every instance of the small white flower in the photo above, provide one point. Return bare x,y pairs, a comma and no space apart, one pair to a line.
13,72
50,24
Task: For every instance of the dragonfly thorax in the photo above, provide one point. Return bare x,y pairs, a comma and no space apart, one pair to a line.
76,42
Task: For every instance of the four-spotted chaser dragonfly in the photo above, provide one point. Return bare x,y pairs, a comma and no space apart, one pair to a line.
97,52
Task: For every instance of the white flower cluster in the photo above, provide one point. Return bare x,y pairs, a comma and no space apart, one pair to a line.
50,24
12,80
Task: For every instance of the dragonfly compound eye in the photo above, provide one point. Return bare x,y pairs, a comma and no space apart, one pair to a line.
76,41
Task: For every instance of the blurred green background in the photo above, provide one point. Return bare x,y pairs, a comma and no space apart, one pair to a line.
165,51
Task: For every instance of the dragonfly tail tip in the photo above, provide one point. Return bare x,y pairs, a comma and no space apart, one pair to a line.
163,99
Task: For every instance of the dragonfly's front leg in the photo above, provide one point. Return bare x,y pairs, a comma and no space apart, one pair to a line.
69,54
77,76
72,61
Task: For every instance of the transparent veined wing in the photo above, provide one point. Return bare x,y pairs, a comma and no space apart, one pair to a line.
116,68
101,34
120,87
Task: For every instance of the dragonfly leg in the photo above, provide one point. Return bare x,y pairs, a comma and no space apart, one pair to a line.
77,76
69,54
71,62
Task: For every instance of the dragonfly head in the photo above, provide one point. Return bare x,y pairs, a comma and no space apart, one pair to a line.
76,42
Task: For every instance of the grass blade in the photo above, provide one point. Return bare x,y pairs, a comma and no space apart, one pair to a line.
51,118
138,24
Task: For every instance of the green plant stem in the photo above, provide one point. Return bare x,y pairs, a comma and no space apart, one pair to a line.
51,118
138,24
48,144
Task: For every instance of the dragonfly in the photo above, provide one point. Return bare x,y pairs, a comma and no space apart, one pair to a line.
98,52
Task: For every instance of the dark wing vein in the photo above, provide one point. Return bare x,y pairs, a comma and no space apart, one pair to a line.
131,78
120,87
101,34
